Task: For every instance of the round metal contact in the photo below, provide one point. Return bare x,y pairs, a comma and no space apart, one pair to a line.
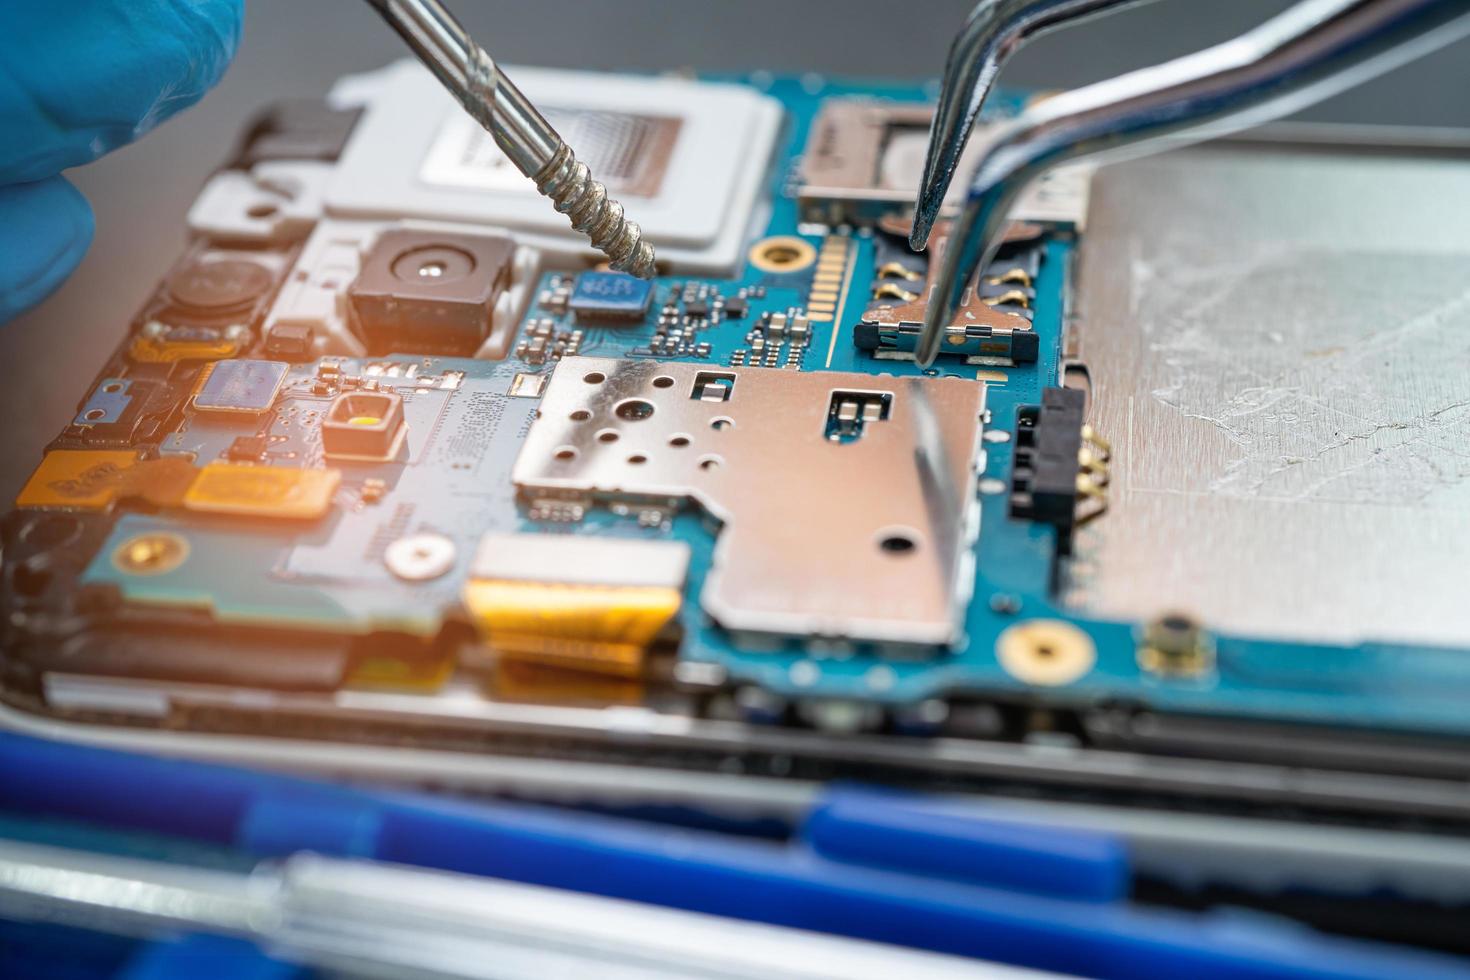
1046,652
219,286
420,557
782,253
153,553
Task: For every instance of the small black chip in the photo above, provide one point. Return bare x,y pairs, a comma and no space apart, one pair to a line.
247,448
289,341
735,307
697,308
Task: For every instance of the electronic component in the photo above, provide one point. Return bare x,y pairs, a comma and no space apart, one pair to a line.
160,343
366,425
880,515
993,323
851,412
242,387
333,255
432,292
610,296
248,449
262,491
544,342
731,515
207,305
579,603
1176,645
864,159
1059,471
525,385
779,339
218,285
297,129
688,158
289,341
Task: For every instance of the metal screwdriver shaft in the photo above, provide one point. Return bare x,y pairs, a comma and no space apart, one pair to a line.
469,73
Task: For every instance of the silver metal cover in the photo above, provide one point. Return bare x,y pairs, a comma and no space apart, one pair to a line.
868,538
1279,342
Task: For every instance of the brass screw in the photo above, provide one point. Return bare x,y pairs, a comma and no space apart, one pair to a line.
1176,645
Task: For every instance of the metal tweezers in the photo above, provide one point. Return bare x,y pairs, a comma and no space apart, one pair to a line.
1312,51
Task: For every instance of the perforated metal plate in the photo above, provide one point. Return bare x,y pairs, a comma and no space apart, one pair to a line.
858,537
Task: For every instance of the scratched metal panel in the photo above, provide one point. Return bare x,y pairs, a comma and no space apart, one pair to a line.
1280,347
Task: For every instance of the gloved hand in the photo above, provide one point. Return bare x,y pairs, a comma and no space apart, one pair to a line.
79,78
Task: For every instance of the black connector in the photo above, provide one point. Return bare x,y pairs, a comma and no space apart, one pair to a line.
1046,468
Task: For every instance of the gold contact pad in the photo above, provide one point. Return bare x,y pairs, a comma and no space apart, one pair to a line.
262,491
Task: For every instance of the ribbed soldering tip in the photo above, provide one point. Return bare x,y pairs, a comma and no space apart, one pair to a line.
571,188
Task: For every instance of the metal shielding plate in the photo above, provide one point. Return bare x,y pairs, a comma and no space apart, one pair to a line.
864,158
806,545
1279,342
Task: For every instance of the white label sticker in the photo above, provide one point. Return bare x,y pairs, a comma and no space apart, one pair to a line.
627,152
464,155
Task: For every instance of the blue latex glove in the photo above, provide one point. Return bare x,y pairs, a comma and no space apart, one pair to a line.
79,78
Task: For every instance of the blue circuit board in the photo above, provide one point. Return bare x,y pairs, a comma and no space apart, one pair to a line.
467,418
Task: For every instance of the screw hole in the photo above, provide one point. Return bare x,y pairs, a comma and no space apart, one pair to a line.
580,415
634,410
566,454
663,381
637,459
607,435
897,543
594,377
262,210
1177,623
722,422
112,387
710,462
94,415
679,441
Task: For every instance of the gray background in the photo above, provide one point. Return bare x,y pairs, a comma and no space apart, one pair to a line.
295,48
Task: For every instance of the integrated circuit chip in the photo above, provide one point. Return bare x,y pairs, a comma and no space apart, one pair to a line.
246,387
610,296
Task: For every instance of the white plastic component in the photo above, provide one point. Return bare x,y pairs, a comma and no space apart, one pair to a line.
276,201
401,160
